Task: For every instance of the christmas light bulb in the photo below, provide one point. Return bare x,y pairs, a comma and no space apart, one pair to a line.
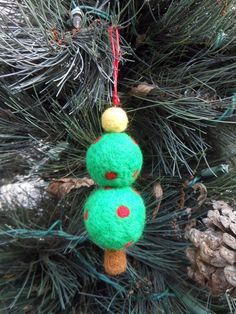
77,21
76,16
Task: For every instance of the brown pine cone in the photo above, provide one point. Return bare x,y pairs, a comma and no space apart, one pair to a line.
213,255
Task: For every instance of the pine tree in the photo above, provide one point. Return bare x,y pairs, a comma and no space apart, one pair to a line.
177,82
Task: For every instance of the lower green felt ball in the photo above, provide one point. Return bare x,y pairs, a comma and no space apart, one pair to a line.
114,217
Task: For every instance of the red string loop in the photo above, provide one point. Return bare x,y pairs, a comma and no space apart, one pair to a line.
116,54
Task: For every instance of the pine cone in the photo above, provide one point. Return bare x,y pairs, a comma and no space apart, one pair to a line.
213,255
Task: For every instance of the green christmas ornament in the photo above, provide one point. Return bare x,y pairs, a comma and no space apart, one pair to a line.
114,217
114,159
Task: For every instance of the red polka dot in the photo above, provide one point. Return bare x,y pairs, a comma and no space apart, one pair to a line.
111,175
97,140
86,215
135,174
108,188
123,211
129,244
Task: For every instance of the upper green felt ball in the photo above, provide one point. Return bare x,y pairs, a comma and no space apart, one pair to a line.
115,217
114,159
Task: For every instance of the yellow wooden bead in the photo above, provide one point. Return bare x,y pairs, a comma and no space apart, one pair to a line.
114,119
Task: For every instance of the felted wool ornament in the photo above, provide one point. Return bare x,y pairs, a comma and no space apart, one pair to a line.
114,217
114,159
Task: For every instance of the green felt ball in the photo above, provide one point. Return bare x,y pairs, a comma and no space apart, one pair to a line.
114,159
114,217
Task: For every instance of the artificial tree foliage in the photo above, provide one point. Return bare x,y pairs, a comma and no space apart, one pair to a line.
177,84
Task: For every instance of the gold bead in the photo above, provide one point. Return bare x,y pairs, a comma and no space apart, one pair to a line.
114,119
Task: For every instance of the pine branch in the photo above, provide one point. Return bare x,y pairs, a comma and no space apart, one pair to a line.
40,50
185,51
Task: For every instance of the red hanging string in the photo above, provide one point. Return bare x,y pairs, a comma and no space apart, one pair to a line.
116,55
